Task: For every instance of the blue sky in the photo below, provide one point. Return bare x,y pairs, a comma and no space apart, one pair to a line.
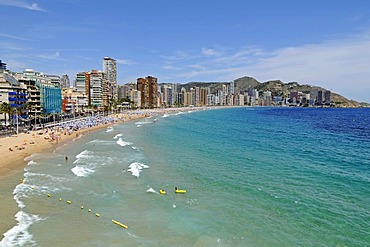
324,43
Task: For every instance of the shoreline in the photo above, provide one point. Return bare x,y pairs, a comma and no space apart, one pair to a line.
13,164
24,145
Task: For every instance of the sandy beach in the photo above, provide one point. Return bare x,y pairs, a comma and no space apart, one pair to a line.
16,148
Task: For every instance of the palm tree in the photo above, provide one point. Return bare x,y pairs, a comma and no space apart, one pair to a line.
5,108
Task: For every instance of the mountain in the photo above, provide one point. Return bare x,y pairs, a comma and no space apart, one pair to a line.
276,87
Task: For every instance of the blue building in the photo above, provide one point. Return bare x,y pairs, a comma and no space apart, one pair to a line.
50,98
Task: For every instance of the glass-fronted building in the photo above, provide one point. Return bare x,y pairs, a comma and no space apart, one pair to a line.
50,98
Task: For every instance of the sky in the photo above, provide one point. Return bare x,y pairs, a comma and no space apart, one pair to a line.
322,43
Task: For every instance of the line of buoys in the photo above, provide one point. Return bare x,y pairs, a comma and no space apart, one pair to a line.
119,223
96,214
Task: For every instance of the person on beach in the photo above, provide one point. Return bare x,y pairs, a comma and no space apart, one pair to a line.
66,158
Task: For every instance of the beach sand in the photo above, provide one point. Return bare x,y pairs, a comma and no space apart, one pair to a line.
16,148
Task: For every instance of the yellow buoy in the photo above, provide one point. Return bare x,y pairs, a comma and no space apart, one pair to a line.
60,199
69,202
179,191
49,195
89,210
22,180
97,215
82,207
119,223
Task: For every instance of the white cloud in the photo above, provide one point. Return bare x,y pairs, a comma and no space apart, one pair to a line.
177,56
341,65
22,4
210,52
125,62
13,37
170,67
51,56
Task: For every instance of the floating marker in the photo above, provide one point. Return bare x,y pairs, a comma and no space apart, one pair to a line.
82,207
60,199
49,195
119,223
97,215
89,210
22,180
69,202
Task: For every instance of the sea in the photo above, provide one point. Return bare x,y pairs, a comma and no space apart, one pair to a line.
254,176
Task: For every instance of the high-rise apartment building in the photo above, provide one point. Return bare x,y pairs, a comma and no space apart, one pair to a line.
13,93
54,79
82,82
327,97
149,91
43,93
110,70
319,97
98,89
203,96
124,91
64,81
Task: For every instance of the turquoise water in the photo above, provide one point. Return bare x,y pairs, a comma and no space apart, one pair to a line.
254,177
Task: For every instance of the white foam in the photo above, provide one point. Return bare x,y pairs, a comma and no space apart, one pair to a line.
19,235
143,122
110,129
83,155
166,115
100,142
32,157
30,163
151,190
135,168
81,171
123,143
19,192
88,161
118,135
